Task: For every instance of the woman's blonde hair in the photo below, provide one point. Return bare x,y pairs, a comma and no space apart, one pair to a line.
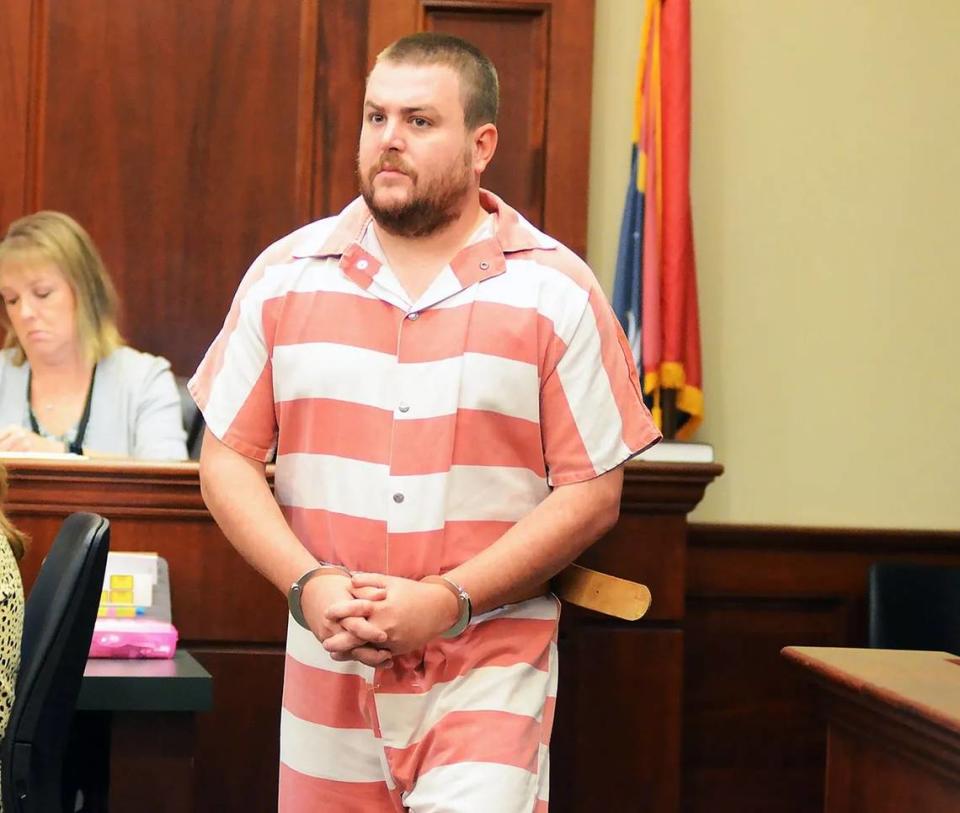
17,539
54,237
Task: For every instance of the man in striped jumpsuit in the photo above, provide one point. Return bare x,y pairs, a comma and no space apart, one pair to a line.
450,401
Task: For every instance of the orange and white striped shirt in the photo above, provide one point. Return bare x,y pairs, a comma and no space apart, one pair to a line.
411,436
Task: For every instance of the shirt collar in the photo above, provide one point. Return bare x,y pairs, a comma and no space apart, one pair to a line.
512,233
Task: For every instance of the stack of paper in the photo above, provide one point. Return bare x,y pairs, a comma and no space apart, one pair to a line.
678,451
128,584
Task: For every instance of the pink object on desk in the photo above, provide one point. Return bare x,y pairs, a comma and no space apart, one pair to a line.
133,638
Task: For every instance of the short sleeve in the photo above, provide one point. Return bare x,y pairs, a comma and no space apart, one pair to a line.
233,385
592,413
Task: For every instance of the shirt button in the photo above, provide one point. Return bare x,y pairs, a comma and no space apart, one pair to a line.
404,407
362,264
413,316
484,265
398,497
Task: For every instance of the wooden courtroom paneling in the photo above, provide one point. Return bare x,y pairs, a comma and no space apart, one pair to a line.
227,615
215,595
752,740
616,743
188,136
870,773
649,550
648,544
750,737
617,732
14,108
339,30
239,776
170,131
740,701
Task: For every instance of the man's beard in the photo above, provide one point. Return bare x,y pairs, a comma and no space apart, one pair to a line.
428,209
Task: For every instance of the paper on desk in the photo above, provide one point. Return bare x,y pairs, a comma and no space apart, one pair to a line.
42,455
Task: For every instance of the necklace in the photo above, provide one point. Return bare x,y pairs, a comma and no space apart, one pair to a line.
76,444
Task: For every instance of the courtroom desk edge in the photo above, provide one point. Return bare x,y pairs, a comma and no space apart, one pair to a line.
905,681
152,488
900,698
179,683
674,488
110,487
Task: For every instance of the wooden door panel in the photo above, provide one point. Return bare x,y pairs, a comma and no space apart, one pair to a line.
15,89
616,740
170,132
516,42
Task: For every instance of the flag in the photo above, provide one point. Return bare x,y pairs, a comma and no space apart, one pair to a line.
655,287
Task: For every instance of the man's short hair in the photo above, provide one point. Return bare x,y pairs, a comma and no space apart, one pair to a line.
479,86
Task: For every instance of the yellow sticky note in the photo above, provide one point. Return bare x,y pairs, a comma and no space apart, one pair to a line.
121,596
121,581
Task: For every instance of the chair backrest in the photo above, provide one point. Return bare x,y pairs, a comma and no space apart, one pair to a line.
192,419
57,629
914,606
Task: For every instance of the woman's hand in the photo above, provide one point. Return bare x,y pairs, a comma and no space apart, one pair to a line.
14,438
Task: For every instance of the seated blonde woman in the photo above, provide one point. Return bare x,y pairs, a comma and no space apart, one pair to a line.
12,547
67,382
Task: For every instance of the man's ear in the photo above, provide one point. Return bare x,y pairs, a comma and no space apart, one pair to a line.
484,146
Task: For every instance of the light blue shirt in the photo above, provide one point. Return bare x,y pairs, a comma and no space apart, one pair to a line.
134,410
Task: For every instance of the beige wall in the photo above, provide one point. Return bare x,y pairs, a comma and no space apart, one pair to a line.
825,179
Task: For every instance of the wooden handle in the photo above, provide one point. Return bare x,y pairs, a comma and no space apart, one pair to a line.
602,592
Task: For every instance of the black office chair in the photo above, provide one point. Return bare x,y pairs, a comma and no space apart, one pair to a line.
914,606
193,422
57,629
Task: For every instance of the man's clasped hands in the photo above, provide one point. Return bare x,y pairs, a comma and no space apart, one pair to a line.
370,617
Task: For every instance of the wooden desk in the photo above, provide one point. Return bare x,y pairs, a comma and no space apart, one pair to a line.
616,740
143,714
893,728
